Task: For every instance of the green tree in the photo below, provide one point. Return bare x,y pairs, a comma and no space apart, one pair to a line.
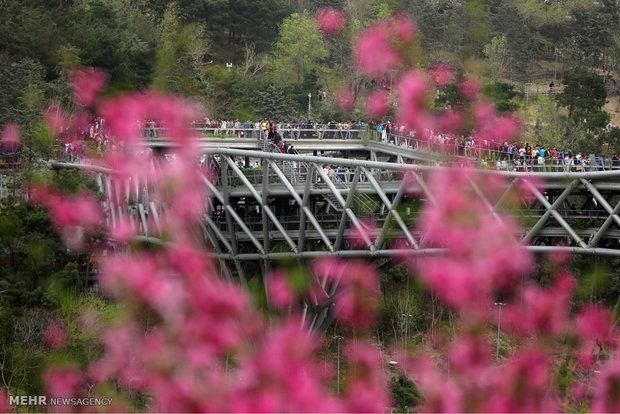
301,47
501,93
498,55
272,103
180,54
584,95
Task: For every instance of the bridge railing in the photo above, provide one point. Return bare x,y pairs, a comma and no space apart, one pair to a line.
521,164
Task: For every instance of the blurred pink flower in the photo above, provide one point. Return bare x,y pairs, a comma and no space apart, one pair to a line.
10,136
5,407
442,74
450,121
595,323
413,95
543,311
403,28
365,390
87,84
523,384
55,335
331,20
378,104
56,118
345,99
359,237
280,292
470,88
374,52
480,260
356,298
63,381
607,398
76,216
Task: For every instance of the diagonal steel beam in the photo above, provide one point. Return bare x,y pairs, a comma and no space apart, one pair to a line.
506,193
263,206
348,210
299,202
594,191
347,205
258,198
557,215
393,212
229,210
539,224
388,218
301,241
601,231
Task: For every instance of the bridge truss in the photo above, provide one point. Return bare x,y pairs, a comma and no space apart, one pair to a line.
292,209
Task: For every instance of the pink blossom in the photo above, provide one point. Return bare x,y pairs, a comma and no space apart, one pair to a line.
280,292
470,88
345,98
442,74
10,136
607,398
450,121
356,299
55,335
481,260
413,96
365,392
5,407
595,323
560,257
56,118
87,84
374,52
360,236
331,21
403,28
377,104
63,381
543,312
523,385
470,356
441,394
124,231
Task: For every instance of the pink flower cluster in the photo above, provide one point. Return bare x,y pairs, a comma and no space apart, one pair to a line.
205,346
77,217
378,49
331,21
87,84
485,258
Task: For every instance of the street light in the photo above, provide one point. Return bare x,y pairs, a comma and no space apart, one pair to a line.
338,338
499,324
309,105
406,316
555,68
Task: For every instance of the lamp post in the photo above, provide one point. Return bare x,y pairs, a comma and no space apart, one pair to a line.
499,324
406,316
555,68
338,338
309,105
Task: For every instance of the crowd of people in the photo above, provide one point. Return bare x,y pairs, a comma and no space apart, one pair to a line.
516,156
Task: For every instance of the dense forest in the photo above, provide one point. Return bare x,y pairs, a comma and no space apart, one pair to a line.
278,55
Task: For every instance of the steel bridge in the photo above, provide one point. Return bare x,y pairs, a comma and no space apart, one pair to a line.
293,208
